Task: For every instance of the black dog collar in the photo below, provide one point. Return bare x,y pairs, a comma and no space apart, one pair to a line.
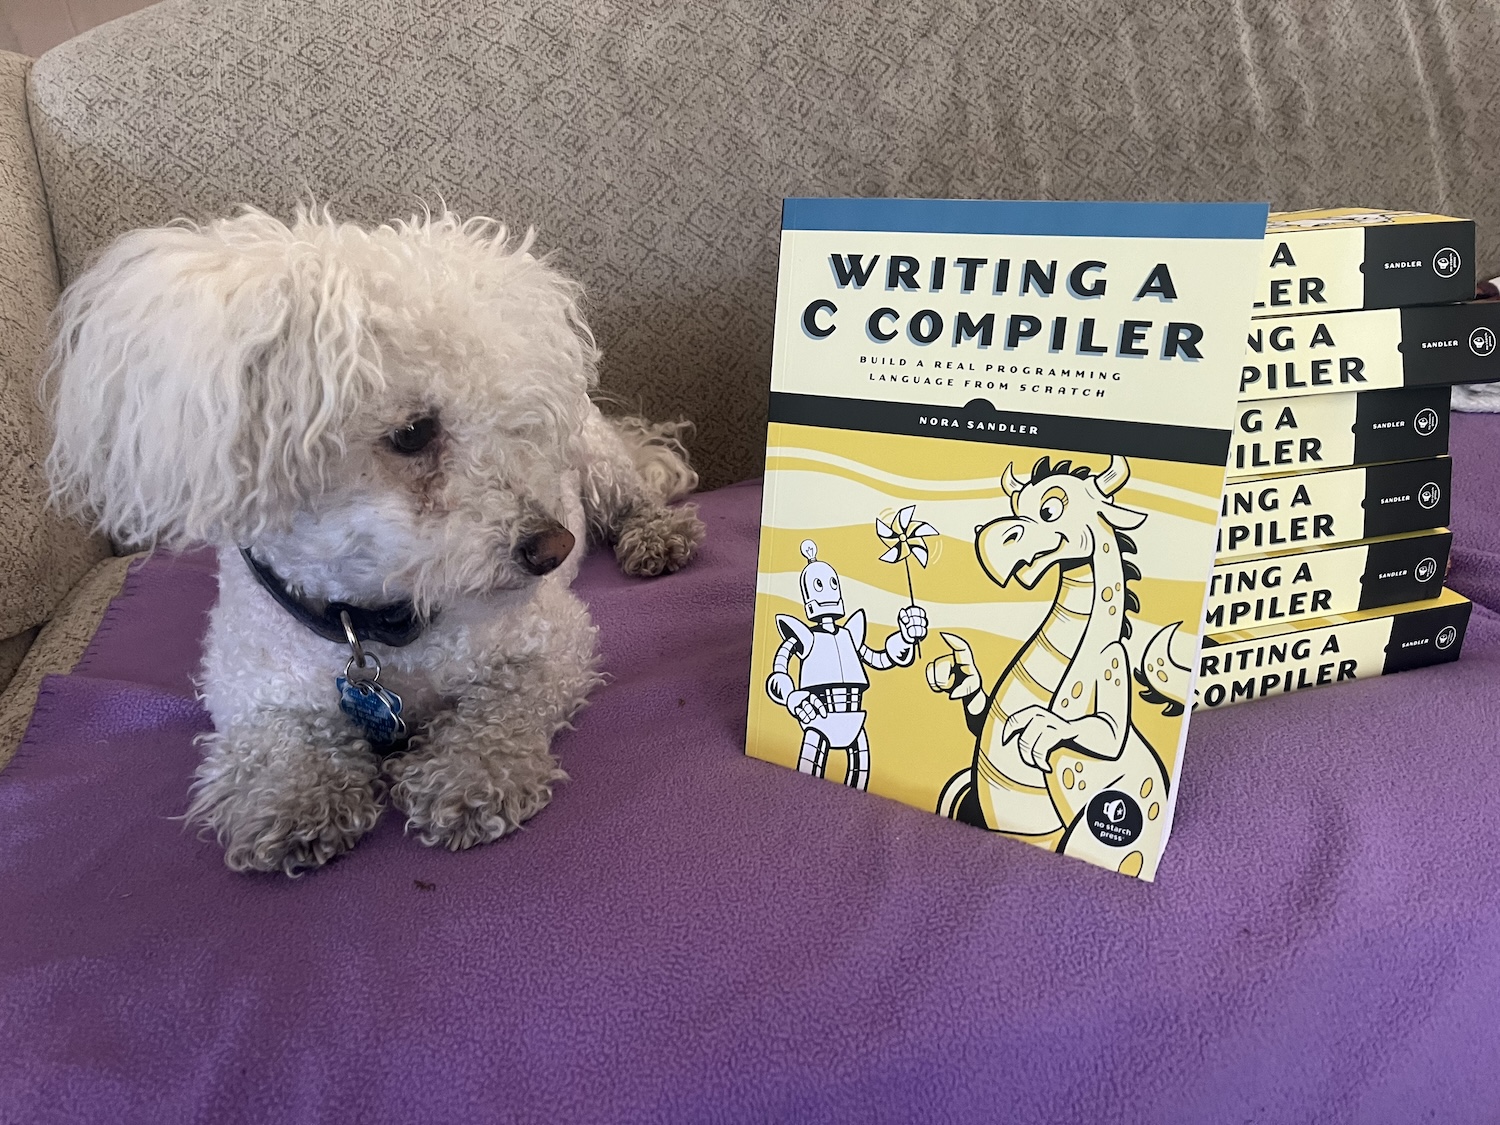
396,624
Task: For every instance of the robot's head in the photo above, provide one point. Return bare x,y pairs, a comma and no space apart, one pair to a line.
821,596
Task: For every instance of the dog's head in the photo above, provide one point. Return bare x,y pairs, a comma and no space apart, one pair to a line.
402,403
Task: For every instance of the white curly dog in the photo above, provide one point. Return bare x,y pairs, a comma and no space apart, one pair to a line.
389,437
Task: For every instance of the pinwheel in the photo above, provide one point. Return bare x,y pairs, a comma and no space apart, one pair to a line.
905,542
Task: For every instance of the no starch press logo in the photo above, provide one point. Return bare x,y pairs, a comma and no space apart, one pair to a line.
1446,636
1446,261
1114,818
1429,495
1481,341
1425,422
1426,570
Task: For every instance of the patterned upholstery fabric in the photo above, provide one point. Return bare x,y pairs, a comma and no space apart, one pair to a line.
651,142
40,557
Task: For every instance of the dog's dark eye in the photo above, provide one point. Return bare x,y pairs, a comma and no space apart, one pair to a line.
414,436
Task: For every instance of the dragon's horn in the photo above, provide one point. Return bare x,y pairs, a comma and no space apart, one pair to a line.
1112,479
1009,482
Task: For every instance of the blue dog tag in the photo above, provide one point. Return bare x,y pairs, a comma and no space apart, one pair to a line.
374,709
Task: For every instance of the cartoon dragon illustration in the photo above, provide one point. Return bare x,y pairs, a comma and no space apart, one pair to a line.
1057,760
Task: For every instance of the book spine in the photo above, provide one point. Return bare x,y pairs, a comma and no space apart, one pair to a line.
1379,266
1333,431
1322,509
1381,349
1302,585
1420,264
1323,653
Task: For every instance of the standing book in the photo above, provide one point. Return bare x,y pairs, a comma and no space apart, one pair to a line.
995,458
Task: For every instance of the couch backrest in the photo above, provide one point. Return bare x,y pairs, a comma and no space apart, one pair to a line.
651,142
41,556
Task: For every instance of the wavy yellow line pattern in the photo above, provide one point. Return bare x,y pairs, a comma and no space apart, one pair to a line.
940,490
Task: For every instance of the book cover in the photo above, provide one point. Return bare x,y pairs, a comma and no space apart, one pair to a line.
1372,350
1301,510
1362,258
1297,585
994,462
1334,431
1255,663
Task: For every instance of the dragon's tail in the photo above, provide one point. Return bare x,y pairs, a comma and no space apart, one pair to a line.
959,801
1163,676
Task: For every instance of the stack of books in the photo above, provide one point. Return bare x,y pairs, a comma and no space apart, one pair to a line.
1333,538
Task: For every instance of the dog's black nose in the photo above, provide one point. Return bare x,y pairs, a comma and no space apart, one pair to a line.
544,552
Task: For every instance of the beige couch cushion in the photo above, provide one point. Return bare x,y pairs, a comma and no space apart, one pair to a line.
651,142
58,647
12,651
33,26
40,557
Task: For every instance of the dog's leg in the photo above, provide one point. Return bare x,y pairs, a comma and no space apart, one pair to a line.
288,792
632,471
477,771
472,777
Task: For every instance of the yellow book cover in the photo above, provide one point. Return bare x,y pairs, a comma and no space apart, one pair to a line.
994,466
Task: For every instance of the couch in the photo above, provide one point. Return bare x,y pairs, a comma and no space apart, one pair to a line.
687,934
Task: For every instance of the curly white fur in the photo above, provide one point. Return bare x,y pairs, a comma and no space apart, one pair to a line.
243,383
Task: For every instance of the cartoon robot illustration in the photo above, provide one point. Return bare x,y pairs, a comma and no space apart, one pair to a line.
827,695
1058,760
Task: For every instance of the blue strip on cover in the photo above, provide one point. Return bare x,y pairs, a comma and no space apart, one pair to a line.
1029,217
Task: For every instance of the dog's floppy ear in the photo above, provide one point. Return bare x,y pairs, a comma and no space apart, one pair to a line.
198,378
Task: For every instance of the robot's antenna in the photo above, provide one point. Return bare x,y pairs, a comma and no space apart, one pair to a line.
809,550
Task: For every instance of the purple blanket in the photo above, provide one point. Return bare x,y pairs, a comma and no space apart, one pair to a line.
687,934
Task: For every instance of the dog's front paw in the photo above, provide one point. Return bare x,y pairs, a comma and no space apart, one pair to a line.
657,540
301,834
286,811
458,799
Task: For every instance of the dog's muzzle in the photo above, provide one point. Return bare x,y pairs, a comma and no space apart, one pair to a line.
544,551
